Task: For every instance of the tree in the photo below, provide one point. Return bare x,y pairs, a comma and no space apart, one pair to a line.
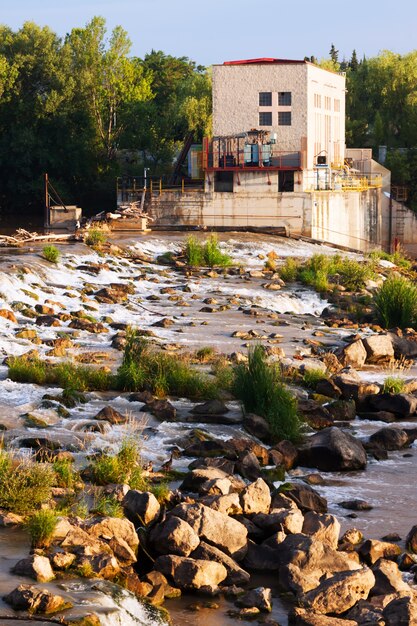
353,63
334,54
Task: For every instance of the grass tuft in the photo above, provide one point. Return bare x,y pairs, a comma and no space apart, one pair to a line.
41,526
208,253
24,484
51,254
95,238
393,384
396,303
120,468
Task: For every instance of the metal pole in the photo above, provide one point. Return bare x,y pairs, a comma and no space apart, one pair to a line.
47,206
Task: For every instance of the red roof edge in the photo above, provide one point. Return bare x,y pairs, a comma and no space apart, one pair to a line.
262,60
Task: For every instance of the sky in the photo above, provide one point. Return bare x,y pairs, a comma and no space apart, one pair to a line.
219,30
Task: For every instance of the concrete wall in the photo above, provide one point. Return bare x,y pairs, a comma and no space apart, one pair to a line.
313,127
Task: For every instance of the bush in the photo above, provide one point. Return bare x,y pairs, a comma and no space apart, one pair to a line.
51,254
122,467
393,384
257,384
396,303
398,258
207,253
289,270
161,373
41,526
95,238
321,271
24,484
66,475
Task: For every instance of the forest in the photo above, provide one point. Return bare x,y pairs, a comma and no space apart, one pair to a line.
83,109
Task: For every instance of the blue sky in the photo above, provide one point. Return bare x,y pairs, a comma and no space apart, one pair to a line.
218,30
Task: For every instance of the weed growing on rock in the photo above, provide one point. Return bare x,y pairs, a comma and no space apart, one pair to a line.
393,384
257,384
66,475
107,506
123,467
289,270
24,484
41,526
312,377
96,238
51,254
208,253
396,303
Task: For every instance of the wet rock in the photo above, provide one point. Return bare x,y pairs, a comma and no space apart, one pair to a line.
289,453
257,426
161,588
323,527
35,566
109,295
141,396
47,320
260,598
401,404
164,323
192,574
261,558
340,592
332,449
215,528
235,574
303,617
91,327
388,578
401,611
256,498
328,388
112,416
372,550
377,416
306,498
210,448
356,505
43,309
389,438
211,407
248,466
174,536
411,540
316,415
38,601
162,409
352,386
342,410
354,355
379,348
141,507
8,315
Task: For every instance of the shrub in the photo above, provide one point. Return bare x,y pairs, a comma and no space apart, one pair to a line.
257,384
108,506
321,270
161,373
205,354
51,254
207,253
289,270
396,303
66,475
24,484
122,467
313,376
95,238
393,384
41,526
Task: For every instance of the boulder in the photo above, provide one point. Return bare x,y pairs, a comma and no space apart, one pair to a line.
192,574
211,407
327,387
235,574
228,504
37,601
256,498
163,410
411,540
352,386
354,355
401,611
211,481
141,507
260,598
248,466
340,592
216,528
113,528
303,617
103,565
323,527
289,452
389,438
405,344
378,416
261,558
333,450
388,578
316,415
257,426
402,404
286,520
372,550
342,410
174,536
305,497
8,315
112,416
379,348
35,566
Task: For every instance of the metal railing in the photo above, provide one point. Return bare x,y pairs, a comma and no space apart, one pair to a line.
340,181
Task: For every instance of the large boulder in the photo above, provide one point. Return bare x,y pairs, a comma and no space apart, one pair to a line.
112,416
174,536
260,598
192,574
411,540
141,507
379,348
256,498
216,528
333,450
354,354
389,438
402,404
38,601
340,592
235,574
305,498
305,617
352,386
114,528
401,611
323,527
289,521
388,578
210,481
35,566
372,550
257,426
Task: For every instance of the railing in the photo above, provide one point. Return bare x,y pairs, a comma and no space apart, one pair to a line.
339,180
231,154
130,189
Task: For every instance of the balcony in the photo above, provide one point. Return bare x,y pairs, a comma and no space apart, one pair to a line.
247,152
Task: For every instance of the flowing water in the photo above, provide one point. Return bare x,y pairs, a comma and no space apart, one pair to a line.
389,486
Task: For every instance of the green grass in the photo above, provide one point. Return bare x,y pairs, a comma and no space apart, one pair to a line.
41,526
206,253
24,484
322,272
107,506
66,475
258,386
393,384
289,270
66,374
312,377
162,374
51,254
95,238
397,257
396,303
161,491
120,468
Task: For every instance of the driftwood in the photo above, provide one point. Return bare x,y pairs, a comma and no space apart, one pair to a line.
33,618
23,236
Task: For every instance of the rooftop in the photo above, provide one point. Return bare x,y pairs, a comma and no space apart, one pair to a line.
264,61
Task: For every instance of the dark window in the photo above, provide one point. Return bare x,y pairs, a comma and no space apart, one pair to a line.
223,181
284,118
265,119
265,99
286,180
284,98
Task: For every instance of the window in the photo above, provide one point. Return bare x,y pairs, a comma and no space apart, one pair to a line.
337,105
284,118
327,103
317,100
286,180
284,98
265,119
223,181
265,99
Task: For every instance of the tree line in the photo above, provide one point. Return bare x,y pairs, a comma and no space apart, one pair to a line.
84,110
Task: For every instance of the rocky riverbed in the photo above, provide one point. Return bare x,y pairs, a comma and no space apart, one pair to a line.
233,520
